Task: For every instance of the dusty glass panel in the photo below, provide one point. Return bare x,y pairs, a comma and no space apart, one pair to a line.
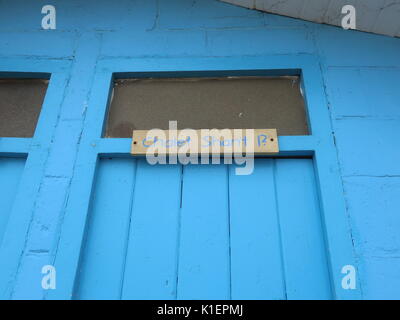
20,104
207,103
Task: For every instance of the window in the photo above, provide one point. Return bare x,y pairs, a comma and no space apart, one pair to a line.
20,104
207,103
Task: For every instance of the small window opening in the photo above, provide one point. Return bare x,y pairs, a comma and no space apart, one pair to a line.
207,103
20,104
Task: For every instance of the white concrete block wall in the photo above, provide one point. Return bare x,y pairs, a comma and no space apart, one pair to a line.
376,16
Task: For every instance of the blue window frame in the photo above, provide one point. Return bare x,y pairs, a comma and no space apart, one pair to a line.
34,150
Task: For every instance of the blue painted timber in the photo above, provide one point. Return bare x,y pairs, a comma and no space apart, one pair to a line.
202,232
11,170
349,182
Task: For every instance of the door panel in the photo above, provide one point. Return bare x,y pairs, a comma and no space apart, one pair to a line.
303,249
11,170
202,232
101,270
151,263
256,262
204,243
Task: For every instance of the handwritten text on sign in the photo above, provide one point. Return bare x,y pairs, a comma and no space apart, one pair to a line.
205,141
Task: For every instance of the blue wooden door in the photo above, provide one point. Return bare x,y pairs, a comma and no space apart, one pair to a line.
117,227
202,232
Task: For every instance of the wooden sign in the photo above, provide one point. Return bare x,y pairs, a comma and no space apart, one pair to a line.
205,141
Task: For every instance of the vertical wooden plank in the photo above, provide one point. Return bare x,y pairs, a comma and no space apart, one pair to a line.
257,271
204,263
10,174
303,245
101,268
75,219
151,263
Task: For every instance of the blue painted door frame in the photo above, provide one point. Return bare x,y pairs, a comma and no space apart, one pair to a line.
320,145
35,150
